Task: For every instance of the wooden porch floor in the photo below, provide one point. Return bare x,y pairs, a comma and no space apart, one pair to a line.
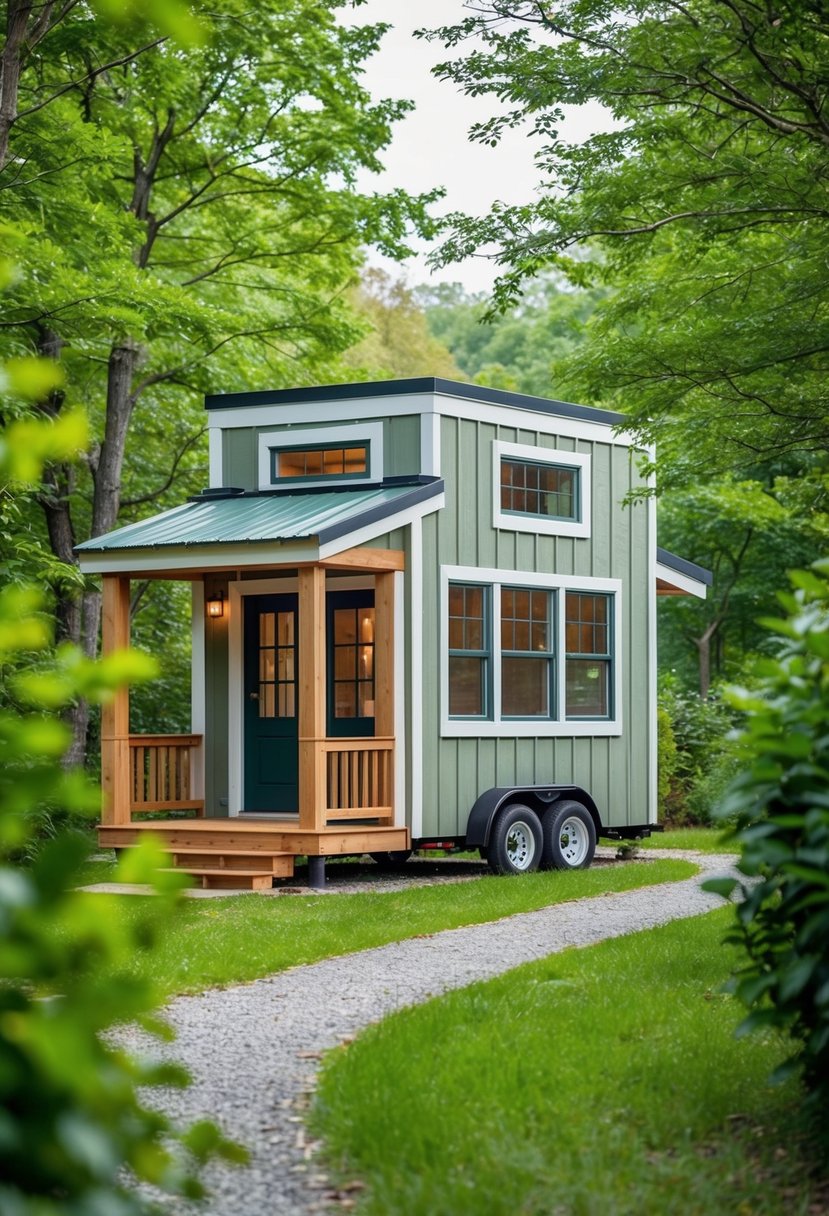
248,854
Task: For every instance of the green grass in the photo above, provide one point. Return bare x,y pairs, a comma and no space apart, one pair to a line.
225,941
705,840
600,1082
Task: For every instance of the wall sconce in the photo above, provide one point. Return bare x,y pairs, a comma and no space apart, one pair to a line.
216,604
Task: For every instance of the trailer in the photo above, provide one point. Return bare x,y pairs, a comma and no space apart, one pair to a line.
422,612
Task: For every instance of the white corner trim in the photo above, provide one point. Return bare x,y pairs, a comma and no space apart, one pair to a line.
514,522
682,582
499,727
653,722
416,691
286,437
216,458
399,700
430,444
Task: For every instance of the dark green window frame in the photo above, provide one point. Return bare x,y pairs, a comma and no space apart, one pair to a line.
589,633
530,489
467,630
284,449
539,650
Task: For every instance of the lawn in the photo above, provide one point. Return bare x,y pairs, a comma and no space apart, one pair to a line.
225,941
704,840
600,1081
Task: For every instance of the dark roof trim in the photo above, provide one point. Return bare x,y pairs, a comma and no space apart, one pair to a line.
420,384
295,490
377,514
683,566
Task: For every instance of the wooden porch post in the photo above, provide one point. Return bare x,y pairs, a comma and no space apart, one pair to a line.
115,715
384,654
313,794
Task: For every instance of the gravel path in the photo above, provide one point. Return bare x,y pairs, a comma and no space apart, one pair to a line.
253,1050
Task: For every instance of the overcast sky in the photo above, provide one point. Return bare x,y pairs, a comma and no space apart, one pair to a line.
430,146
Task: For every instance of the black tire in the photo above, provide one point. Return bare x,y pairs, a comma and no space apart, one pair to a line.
392,861
569,837
515,840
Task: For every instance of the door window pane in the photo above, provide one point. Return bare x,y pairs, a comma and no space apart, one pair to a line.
277,665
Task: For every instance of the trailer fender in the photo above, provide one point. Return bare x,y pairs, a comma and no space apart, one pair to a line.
539,797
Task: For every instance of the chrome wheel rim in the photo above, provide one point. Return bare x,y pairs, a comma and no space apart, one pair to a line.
574,841
520,845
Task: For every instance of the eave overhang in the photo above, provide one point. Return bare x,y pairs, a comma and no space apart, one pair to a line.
677,576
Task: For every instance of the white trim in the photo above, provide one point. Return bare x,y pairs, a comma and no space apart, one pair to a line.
198,717
353,539
216,458
541,524
369,432
498,727
421,403
399,701
682,582
416,691
653,721
430,443
199,557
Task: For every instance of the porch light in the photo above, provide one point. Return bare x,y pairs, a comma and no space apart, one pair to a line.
216,604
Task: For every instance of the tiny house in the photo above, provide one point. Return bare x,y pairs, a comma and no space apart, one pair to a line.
424,615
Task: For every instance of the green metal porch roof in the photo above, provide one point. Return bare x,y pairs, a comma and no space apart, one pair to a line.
248,519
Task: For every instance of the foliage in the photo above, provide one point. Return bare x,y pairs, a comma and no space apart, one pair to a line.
598,1080
667,756
702,201
781,806
241,939
399,344
699,757
522,351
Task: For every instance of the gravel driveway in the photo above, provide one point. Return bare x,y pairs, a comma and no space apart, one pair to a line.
253,1050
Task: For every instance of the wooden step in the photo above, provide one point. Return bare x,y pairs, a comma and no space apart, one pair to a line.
281,865
229,880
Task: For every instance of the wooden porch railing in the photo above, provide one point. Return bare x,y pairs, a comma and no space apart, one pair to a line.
161,776
359,779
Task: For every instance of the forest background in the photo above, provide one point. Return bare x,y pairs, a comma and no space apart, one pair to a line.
178,223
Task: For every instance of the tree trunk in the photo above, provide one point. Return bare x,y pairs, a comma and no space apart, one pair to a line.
17,20
703,646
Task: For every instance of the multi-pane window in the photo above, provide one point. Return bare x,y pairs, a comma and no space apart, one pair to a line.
319,462
277,665
526,653
353,648
469,651
589,657
546,653
531,488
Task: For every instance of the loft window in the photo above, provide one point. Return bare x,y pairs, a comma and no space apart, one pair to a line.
295,464
532,488
469,651
589,658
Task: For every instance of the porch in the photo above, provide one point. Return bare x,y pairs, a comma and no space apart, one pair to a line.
341,787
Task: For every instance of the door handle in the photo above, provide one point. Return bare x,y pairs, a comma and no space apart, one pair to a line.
254,696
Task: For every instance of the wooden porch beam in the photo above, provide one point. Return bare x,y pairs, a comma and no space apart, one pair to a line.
115,714
366,559
384,653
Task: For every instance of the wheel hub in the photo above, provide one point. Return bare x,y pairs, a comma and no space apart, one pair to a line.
574,841
520,846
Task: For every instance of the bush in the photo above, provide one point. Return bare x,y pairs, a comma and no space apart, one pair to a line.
780,805
696,753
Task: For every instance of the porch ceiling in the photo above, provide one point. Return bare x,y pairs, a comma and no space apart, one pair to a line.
242,528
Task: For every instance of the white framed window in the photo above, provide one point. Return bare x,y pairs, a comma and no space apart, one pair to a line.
540,490
527,654
321,456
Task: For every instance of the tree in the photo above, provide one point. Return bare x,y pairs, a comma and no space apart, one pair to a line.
399,343
520,351
704,206
193,224
748,535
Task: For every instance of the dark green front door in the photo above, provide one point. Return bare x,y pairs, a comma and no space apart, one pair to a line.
351,663
271,703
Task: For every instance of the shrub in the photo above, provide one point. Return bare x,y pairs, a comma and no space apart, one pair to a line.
780,805
697,758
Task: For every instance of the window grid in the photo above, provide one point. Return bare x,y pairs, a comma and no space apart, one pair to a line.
469,651
288,464
588,657
527,653
549,490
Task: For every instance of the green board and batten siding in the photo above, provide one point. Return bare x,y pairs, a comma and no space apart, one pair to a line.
614,769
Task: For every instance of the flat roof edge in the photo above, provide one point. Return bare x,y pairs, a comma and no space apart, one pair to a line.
419,384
